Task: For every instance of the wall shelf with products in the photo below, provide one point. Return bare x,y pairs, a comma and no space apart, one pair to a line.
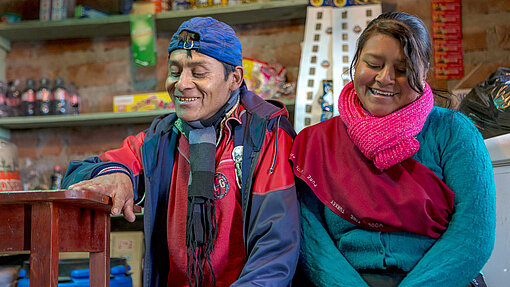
92,119
118,25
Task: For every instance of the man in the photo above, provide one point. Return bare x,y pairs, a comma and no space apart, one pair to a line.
220,206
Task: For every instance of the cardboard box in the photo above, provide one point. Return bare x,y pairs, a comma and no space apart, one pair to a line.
58,10
142,102
45,10
143,8
129,245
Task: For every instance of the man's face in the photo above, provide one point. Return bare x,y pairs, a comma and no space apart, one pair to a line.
196,85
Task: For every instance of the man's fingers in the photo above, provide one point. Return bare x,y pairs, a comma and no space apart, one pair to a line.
77,185
85,184
118,203
128,213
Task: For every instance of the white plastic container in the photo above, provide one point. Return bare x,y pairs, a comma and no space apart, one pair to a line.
10,178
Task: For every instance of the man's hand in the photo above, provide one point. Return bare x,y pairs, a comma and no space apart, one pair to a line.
117,186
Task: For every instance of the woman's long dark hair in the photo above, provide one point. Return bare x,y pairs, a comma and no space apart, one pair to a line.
413,35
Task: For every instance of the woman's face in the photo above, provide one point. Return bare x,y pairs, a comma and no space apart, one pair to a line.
380,79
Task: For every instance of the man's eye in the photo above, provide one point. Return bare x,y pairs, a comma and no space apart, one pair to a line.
175,74
198,75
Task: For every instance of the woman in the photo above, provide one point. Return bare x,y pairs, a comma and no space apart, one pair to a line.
394,191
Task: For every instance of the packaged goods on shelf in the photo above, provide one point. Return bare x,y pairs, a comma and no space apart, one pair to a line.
55,9
143,39
10,18
142,102
341,3
85,12
45,10
144,8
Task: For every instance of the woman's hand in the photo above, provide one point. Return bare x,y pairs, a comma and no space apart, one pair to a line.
116,185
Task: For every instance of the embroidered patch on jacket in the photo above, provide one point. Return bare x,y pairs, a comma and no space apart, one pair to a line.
237,156
221,185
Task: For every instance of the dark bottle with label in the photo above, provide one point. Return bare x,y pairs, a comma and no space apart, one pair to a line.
74,99
28,99
13,99
60,104
56,178
3,101
43,98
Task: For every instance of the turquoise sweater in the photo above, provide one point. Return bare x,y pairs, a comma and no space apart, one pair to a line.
332,248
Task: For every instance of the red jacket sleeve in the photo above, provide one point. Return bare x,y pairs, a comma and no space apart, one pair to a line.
128,154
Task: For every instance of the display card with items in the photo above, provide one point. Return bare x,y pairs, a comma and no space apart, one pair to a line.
447,38
331,31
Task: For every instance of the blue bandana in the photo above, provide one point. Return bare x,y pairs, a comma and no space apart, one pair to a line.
217,40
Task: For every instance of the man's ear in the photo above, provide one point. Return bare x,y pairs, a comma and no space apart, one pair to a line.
236,78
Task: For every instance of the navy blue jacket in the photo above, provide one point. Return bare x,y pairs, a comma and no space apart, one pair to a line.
270,220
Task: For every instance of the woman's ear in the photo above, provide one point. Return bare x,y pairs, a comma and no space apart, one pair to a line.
236,78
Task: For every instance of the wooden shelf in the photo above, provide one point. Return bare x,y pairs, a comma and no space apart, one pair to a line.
92,119
118,25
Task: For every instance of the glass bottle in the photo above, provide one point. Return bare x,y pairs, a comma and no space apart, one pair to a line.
60,104
56,178
28,99
43,98
3,101
13,97
74,99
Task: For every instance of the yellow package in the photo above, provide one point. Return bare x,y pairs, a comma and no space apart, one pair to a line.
142,102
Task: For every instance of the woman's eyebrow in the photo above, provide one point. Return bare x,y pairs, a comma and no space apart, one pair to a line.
381,58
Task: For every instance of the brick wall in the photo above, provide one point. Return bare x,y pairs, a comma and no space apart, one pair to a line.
101,68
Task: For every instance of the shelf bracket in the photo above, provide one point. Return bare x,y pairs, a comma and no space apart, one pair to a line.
5,46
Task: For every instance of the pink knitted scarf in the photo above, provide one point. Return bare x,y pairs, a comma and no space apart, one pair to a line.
386,140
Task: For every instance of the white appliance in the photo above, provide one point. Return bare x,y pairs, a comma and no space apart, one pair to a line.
497,269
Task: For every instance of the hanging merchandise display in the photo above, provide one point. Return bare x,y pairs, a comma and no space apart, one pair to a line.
447,39
331,32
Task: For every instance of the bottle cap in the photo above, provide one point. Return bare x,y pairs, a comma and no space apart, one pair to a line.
30,82
44,81
58,81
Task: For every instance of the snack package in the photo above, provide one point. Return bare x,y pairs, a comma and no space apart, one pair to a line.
142,102
265,80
